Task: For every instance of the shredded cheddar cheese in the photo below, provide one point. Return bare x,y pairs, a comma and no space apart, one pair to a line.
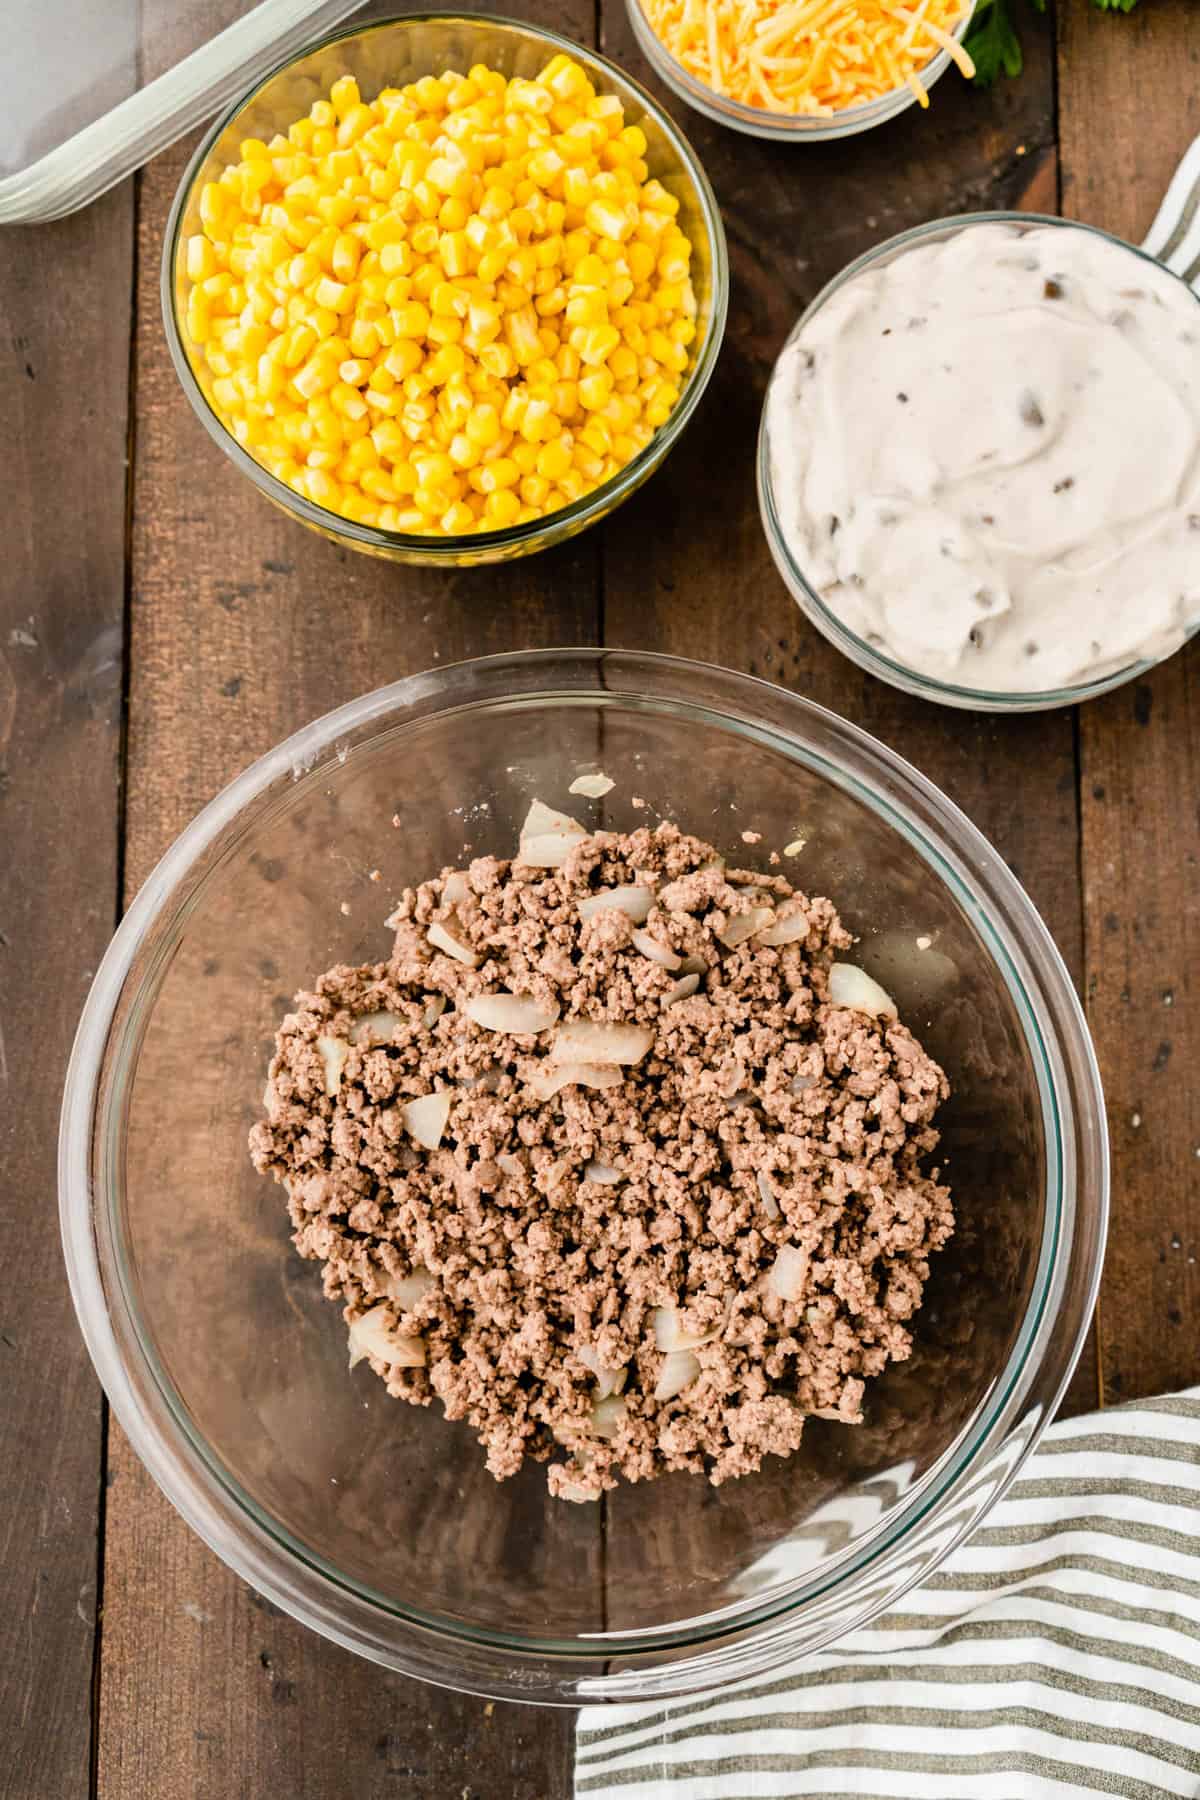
813,57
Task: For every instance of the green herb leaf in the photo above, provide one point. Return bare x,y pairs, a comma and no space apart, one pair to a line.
992,43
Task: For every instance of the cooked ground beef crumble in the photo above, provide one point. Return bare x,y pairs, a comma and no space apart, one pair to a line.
627,1266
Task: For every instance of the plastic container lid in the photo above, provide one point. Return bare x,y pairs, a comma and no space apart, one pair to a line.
91,94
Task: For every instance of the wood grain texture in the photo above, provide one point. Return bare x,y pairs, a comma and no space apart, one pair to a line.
687,567
1140,772
243,627
63,402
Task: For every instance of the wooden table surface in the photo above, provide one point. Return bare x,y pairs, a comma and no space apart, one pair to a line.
160,626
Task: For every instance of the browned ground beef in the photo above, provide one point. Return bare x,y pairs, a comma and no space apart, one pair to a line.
757,1116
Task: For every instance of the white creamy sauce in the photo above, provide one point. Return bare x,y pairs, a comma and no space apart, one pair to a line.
985,457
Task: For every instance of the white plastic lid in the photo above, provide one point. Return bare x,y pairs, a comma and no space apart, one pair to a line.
91,92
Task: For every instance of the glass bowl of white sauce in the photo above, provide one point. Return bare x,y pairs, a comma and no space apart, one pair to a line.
979,462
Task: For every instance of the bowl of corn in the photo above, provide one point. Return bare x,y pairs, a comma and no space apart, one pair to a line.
801,71
447,289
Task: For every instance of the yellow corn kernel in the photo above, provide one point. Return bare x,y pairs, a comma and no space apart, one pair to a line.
348,401
483,426
500,508
554,459
334,296
345,256
609,220
411,320
444,332
343,96
322,489
364,337
534,490
501,472
201,258
521,330
595,342
462,452
595,389
458,518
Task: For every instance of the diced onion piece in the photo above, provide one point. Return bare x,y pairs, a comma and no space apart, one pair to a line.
583,1041
512,1165
770,1203
548,837
853,987
656,952
410,1290
456,888
789,1272
832,1412
608,1381
635,901
374,1028
692,965
575,1490
433,1011
519,1014
744,925
546,1081
790,930
607,1415
669,1334
802,1083
425,1118
442,939
375,1335
333,1052
592,787
680,1368
683,989
602,1173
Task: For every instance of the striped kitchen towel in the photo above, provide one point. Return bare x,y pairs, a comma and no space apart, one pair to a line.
1056,1653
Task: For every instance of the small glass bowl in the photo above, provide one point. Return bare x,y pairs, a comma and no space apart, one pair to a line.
377,1523
782,128
391,52
807,597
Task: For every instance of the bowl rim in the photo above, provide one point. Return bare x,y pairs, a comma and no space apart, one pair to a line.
791,128
1005,1425
511,539
827,621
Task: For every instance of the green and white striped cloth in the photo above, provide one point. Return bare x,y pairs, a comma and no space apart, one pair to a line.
1058,1652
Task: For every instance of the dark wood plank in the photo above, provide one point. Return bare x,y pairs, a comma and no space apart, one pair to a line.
64,335
687,568
243,627
1140,772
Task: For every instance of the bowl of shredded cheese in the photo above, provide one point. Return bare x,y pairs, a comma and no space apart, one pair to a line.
802,69
446,288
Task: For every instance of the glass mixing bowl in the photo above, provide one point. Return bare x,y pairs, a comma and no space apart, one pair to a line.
375,1522
807,596
391,53
781,128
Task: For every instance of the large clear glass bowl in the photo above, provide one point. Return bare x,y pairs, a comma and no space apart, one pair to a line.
780,128
388,54
808,596
374,1521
